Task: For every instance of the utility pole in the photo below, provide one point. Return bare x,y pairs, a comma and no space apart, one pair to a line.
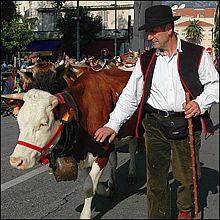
78,34
115,36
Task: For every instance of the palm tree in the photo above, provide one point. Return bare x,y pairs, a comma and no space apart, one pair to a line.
215,42
194,32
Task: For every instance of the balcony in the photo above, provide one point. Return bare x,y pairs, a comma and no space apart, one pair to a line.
48,35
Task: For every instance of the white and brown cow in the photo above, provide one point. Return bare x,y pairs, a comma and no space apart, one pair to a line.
40,122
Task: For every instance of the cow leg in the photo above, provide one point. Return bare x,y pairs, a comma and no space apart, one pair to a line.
112,182
132,147
90,186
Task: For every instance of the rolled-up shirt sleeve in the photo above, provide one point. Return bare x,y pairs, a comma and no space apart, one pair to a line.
209,77
128,100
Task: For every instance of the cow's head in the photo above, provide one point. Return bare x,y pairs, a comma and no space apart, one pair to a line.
38,123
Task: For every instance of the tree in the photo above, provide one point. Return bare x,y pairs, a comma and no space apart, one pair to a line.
58,4
194,32
89,26
215,42
17,34
8,10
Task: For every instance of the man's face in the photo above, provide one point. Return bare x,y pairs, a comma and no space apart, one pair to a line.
34,59
159,37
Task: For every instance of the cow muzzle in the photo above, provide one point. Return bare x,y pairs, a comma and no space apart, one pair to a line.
19,163
16,162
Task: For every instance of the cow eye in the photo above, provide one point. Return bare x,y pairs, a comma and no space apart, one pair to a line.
43,124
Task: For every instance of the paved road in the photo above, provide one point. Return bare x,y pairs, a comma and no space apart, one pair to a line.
34,194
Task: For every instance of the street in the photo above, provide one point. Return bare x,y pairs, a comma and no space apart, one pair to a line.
35,194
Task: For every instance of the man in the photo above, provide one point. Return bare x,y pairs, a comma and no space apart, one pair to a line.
34,59
105,55
157,86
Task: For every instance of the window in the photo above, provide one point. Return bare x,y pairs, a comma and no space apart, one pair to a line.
104,15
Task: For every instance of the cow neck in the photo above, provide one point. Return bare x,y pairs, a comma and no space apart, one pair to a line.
66,97
42,150
71,129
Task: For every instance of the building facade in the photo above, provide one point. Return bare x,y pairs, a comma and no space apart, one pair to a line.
206,19
115,15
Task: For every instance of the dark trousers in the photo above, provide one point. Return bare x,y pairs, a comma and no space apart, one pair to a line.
161,152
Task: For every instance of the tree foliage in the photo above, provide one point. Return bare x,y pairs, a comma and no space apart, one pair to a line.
58,4
194,32
17,34
89,26
215,42
8,10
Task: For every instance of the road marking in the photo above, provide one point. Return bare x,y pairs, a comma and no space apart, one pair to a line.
23,178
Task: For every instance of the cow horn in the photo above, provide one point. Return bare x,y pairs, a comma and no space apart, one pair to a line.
22,71
53,101
13,96
59,64
75,70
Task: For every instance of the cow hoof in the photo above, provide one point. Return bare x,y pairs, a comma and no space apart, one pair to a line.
131,180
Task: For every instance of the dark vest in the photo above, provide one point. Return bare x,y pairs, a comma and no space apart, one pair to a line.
188,63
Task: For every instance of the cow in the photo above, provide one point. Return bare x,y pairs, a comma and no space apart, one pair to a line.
93,97
65,74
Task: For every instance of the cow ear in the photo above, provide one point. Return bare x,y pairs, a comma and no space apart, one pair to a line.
63,113
26,76
14,105
68,115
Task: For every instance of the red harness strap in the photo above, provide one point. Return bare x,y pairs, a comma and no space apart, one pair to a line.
60,98
43,159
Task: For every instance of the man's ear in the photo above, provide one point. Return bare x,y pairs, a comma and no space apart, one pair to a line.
169,29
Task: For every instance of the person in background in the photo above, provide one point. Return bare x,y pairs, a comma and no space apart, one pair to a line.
105,55
4,66
34,59
157,86
26,62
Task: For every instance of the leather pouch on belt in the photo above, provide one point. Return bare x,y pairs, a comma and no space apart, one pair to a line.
66,169
175,128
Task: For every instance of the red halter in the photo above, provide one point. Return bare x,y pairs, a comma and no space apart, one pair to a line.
43,159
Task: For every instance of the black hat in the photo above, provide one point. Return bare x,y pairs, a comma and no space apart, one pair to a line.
158,15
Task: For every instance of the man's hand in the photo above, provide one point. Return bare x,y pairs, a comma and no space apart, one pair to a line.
192,109
102,133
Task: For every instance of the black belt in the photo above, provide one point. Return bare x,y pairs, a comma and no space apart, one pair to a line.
149,109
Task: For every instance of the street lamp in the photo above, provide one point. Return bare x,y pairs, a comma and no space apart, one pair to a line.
115,36
77,34
139,21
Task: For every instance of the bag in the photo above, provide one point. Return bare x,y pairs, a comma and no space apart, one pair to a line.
66,169
174,128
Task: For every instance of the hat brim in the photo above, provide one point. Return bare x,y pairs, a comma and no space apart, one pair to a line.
157,23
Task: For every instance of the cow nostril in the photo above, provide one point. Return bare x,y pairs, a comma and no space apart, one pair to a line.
16,161
19,164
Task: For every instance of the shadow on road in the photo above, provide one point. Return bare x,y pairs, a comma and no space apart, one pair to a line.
216,127
103,205
209,182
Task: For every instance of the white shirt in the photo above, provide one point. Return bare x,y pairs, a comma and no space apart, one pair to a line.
167,92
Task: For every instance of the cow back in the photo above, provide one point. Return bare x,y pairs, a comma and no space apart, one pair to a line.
96,94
